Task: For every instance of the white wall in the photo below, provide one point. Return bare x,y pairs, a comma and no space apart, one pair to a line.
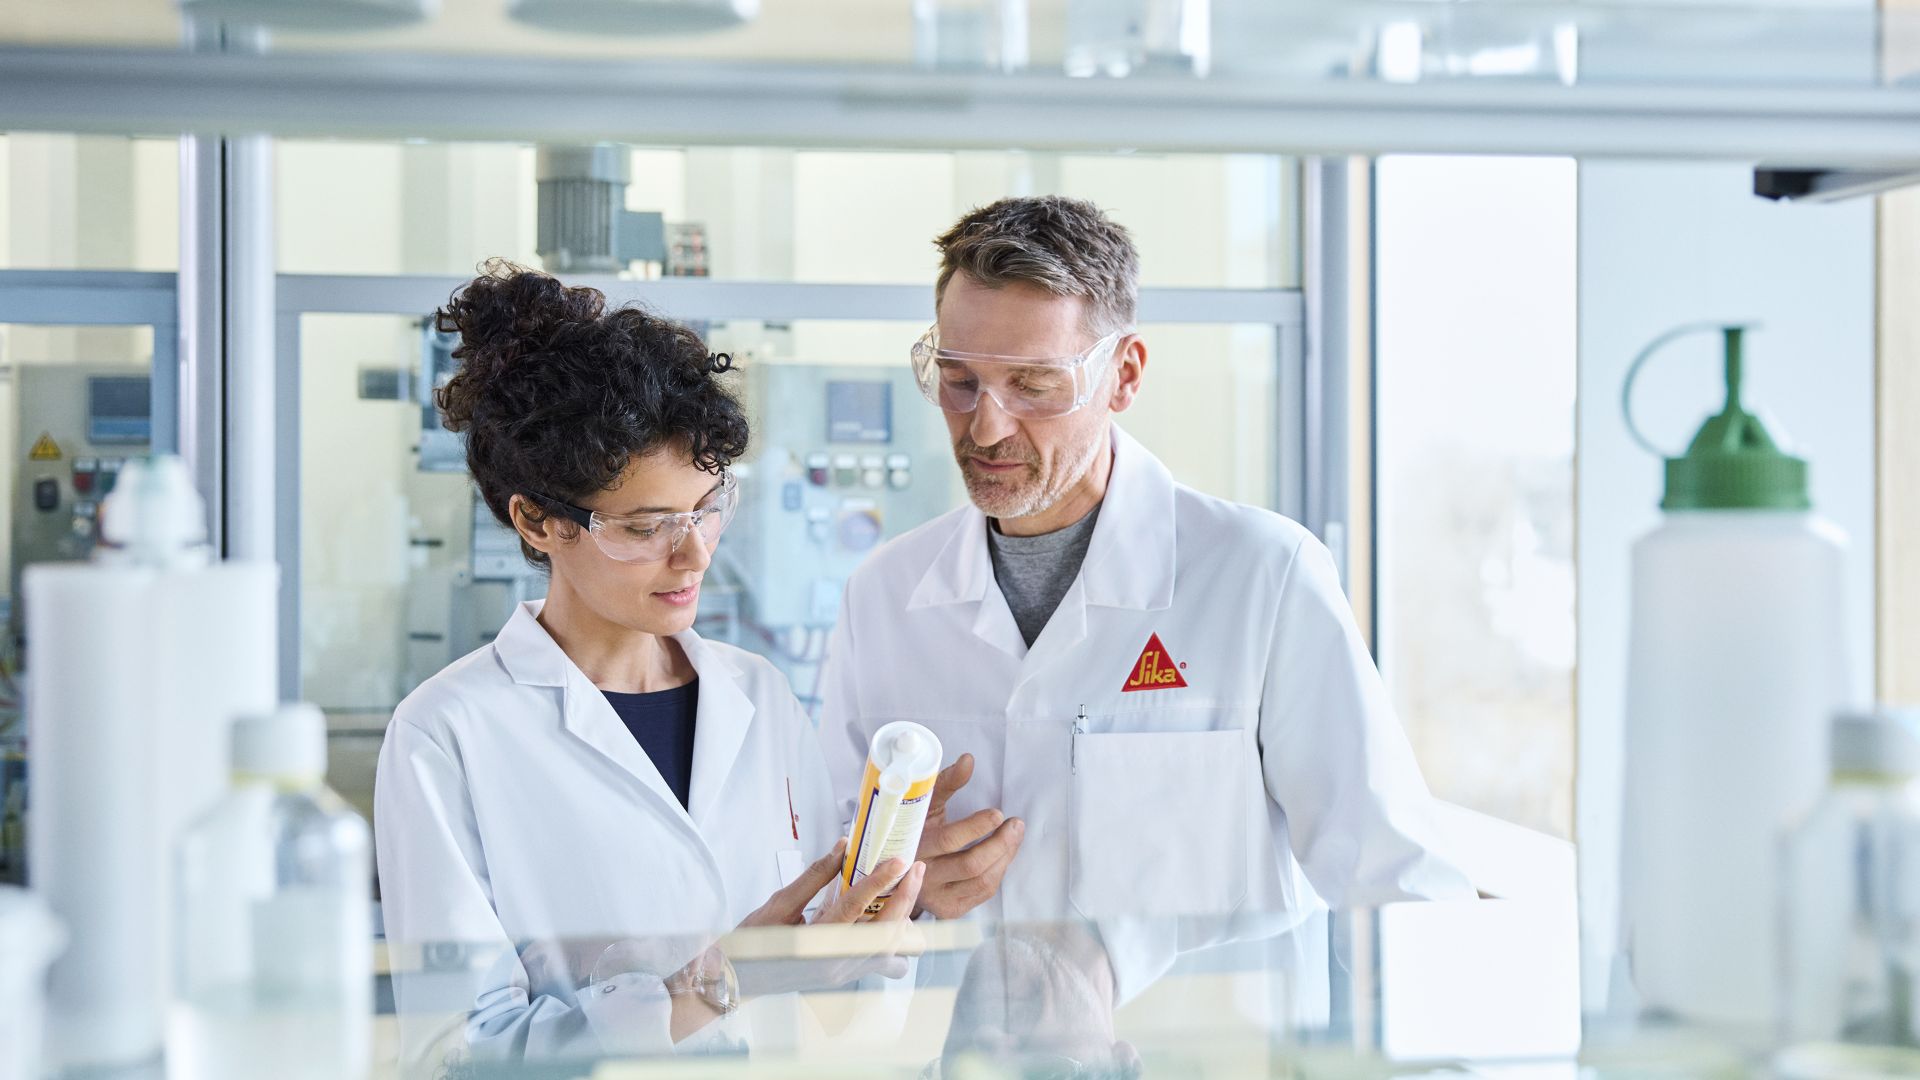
1663,244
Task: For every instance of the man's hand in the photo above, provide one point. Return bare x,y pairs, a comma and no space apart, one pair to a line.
965,859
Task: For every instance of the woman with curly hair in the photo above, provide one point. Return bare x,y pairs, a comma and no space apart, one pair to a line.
599,779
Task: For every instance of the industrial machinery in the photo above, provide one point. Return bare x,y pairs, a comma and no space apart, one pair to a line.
843,457
584,224
470,573
75,426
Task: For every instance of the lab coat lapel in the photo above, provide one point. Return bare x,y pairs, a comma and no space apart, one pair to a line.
1130,557
589,716
1065,628
719,729
532,658
963,573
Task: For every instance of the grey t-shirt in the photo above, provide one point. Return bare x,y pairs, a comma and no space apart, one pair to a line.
1034,572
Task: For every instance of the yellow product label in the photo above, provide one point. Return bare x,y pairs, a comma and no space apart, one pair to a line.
875,841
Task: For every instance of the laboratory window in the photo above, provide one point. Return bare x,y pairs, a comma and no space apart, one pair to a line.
1475,435
761,214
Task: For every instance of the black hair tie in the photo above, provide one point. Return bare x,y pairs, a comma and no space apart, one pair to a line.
720,363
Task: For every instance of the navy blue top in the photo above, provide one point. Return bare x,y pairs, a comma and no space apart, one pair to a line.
662,723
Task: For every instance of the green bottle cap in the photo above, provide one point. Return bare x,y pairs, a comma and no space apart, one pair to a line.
1732,464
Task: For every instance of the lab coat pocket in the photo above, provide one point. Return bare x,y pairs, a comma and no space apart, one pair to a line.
1159,823
790,864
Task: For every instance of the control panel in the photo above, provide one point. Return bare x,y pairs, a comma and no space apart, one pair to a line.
76,425
844,458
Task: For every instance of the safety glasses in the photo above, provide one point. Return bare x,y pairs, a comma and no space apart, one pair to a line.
652,537
1028,387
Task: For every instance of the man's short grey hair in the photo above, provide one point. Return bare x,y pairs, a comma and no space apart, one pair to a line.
1066,246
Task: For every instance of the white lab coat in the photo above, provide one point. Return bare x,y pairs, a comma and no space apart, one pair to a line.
1276,776
514,810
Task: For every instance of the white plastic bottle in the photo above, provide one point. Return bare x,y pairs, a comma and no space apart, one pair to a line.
1850,906
136,663
1737,658
275,936
895,795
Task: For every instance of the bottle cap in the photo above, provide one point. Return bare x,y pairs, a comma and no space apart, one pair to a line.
1733,464
906,747
289,743
153,514
1883,743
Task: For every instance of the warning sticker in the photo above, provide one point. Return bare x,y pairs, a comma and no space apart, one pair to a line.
44,448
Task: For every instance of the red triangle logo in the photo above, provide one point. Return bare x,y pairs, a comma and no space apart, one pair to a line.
1155,670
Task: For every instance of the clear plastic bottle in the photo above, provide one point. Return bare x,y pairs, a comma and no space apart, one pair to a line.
274,924
1850,910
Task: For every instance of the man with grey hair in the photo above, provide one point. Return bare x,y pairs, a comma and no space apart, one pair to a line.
1156,703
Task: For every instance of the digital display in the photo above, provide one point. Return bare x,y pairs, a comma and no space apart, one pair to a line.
120,409
860,412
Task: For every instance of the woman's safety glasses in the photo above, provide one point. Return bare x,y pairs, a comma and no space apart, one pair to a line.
652,537
1027,387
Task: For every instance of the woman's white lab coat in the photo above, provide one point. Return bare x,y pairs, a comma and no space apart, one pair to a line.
514,810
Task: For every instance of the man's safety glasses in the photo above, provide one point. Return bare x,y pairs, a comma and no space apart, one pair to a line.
652,537
1027,387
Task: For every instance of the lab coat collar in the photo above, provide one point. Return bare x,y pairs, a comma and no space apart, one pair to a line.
527,651
533,658
719,728
1130,558
725,711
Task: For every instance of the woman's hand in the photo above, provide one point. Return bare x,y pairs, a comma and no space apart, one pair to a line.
788,907
882,953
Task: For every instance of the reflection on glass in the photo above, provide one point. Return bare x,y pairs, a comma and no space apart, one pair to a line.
1475,398
1422,987
1038,1001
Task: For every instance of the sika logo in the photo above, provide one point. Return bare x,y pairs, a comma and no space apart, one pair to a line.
1155,670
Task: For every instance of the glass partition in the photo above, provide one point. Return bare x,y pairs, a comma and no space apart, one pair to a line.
768,214
403,569
1475,367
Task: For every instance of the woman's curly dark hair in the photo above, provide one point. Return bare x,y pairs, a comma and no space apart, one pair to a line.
556,393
